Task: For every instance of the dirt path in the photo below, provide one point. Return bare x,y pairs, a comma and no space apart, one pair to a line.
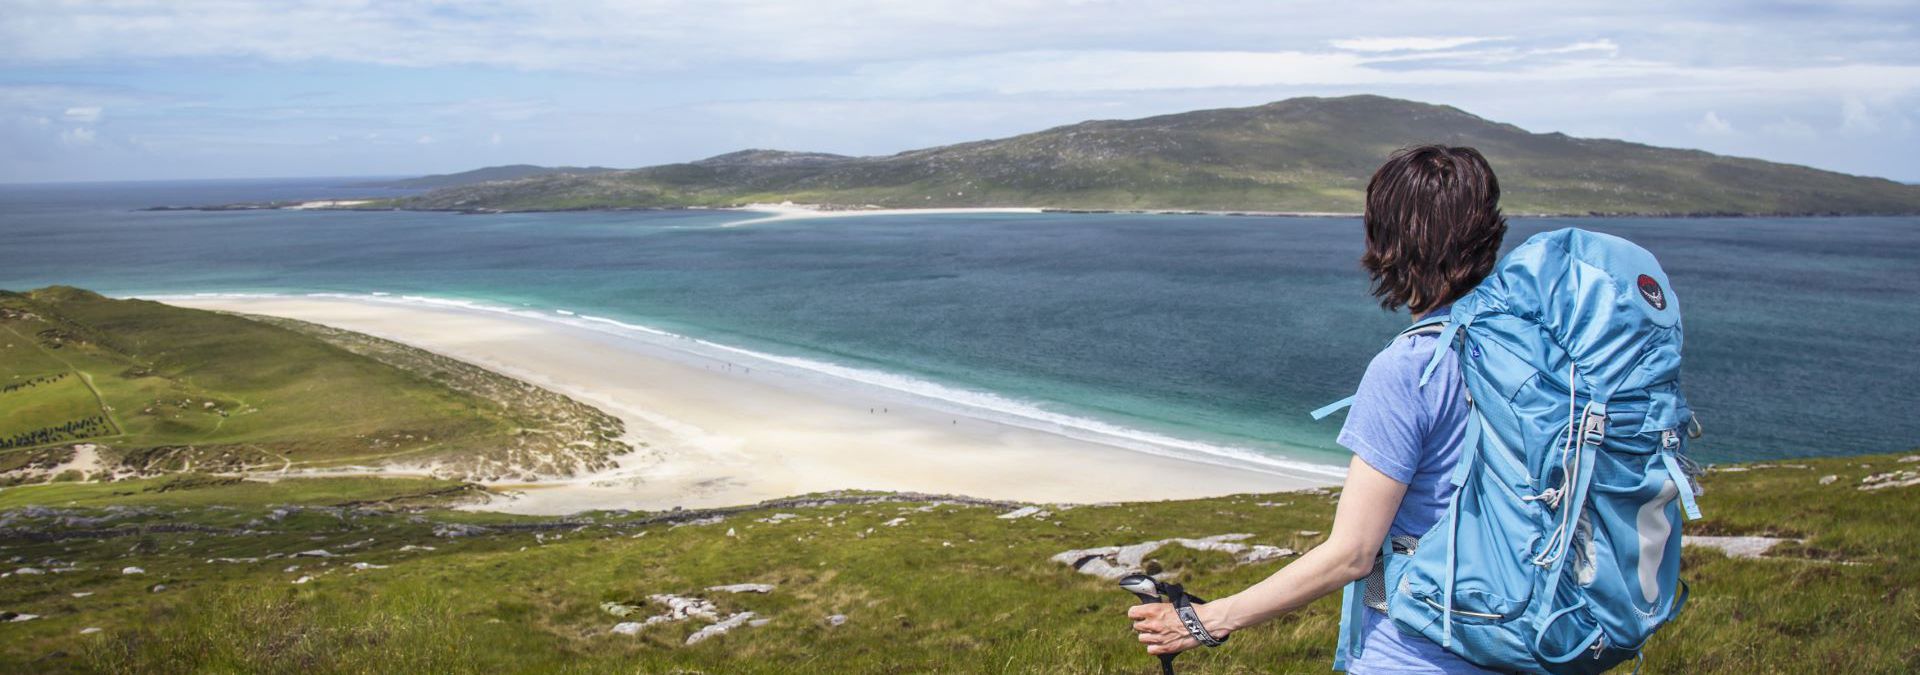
85,379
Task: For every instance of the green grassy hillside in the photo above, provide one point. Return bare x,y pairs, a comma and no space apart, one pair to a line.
152,388
1303,154
920,584
491,173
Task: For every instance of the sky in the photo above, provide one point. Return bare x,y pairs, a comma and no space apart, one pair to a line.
132,90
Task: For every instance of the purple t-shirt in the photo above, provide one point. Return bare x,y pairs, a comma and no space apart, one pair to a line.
1412,434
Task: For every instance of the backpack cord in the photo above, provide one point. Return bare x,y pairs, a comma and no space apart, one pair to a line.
1569,458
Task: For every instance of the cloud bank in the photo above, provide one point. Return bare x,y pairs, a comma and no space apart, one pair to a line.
175,89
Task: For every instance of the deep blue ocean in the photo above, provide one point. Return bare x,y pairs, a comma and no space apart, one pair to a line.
1801,332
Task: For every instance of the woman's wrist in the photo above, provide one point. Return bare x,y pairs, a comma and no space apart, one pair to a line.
1217,617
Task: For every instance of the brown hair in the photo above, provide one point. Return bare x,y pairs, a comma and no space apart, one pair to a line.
1433,226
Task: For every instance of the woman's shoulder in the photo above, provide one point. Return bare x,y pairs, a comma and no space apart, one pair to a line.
1404,358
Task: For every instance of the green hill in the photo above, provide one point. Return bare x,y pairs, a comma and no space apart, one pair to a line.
1300,155
141,387
361,575
491,173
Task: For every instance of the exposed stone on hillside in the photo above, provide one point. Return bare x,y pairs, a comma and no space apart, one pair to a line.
1113,562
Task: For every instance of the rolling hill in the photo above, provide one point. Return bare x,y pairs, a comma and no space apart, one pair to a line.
1299,155
491,173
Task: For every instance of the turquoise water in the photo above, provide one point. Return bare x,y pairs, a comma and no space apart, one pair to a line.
1224,330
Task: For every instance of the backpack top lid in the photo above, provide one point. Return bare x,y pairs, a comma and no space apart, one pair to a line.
1597,298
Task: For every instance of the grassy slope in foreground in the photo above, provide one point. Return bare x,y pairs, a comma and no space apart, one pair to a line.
945,588
162,388
1298,155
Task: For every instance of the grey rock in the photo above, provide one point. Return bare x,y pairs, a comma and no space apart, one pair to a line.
719,628
1737,547
742,588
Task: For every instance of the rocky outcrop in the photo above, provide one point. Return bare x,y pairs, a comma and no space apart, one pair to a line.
1113,562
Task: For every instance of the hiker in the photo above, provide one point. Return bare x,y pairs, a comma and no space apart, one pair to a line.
1433,231
1519,451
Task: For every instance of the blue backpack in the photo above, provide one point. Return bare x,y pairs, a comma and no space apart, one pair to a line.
1560,549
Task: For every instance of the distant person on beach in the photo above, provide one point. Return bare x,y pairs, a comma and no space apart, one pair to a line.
1433,232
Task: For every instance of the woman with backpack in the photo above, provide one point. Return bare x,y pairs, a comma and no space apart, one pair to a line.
1519,468
1433,231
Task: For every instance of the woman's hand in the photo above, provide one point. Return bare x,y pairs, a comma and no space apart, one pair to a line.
1162,632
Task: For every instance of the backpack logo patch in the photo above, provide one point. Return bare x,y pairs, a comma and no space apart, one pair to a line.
1651,292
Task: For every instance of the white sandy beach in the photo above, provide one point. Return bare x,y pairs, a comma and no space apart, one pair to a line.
723,429
792,211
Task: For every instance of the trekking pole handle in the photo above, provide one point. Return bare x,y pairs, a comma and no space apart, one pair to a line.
1147,589
1143,587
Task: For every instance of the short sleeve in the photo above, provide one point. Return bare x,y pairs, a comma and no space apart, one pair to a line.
1387,424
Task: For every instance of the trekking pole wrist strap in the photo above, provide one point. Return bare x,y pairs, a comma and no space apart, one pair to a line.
1191,619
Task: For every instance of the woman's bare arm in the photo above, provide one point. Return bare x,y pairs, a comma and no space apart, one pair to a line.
1360,522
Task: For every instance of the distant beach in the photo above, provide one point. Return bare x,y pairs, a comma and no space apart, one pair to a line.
722,431
792,211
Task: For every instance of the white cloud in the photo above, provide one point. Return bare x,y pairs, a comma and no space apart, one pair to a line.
86,114
494,139
1016,73
77,136
424,140
1711,124
1404,44
1607,46
1790,129
1857,118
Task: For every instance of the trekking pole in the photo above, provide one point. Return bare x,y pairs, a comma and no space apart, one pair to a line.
1151,591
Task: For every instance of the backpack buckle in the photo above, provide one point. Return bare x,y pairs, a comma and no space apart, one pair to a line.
1593,427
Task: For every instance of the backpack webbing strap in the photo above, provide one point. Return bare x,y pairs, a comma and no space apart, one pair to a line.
1352,601
1427,326
1446,344
1332,408
1469,447
1680,481
1353,607
1462,470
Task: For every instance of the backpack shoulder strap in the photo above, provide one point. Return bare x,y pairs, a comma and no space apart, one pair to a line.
1432,325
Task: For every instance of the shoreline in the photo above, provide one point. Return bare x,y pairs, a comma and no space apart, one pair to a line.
792,211
724,427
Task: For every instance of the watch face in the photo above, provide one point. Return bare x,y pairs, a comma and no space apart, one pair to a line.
1651,292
